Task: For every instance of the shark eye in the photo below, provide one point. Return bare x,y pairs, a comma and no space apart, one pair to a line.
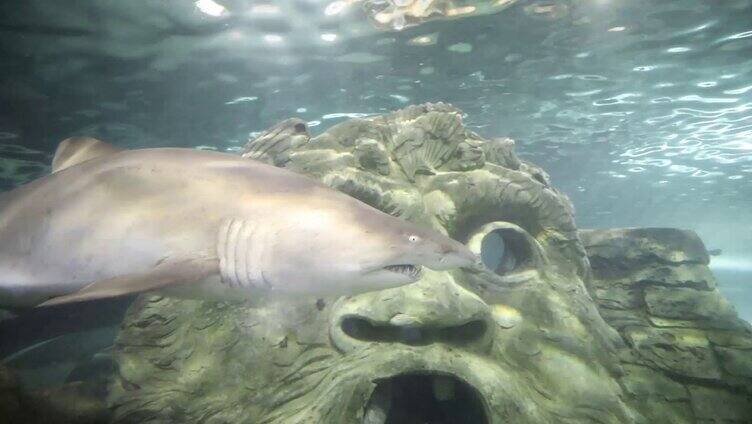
413,238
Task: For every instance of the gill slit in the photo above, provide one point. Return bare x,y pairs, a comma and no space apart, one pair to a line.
262,258
226,250
232,251
222,249
242,249
241,253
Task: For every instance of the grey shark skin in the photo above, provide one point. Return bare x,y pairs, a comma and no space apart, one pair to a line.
199,224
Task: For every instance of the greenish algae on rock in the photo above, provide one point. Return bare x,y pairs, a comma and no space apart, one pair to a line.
679,329
537,338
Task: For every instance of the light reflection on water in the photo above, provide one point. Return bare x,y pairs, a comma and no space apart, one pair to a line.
651,100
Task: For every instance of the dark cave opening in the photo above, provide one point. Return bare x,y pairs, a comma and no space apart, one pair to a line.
425,399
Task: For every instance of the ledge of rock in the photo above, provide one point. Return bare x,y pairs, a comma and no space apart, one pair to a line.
687,356
632,247
72,403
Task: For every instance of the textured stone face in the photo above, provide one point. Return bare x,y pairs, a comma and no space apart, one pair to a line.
521,342
515,338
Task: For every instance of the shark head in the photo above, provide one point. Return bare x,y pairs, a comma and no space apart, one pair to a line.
402,249
342,246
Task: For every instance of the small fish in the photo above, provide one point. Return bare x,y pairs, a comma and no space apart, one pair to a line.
198,224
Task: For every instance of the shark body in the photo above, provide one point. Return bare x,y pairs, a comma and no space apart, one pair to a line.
198,224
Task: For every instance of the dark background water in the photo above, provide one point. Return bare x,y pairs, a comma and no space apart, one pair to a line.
640,110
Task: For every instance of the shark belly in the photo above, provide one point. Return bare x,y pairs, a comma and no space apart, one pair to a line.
63,262
214,289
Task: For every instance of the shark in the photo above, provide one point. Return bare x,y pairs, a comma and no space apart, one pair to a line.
199,224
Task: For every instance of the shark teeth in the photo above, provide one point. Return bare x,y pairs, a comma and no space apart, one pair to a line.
411,271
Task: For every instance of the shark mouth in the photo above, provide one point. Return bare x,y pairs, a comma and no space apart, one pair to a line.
424,398
412,271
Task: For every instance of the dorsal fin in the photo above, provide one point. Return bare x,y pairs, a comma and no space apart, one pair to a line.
75,150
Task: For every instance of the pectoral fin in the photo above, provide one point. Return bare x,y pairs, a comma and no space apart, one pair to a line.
164,274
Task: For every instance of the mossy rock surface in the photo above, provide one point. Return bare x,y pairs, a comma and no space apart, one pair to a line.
547,339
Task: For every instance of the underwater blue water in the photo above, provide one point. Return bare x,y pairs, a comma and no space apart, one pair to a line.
640,110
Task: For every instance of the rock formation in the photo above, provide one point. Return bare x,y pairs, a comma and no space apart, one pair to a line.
77,402
493,346
688,357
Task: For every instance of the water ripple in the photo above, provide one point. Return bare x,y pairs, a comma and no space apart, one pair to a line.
642,93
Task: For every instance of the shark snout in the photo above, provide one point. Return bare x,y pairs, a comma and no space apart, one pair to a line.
456,255
468,258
